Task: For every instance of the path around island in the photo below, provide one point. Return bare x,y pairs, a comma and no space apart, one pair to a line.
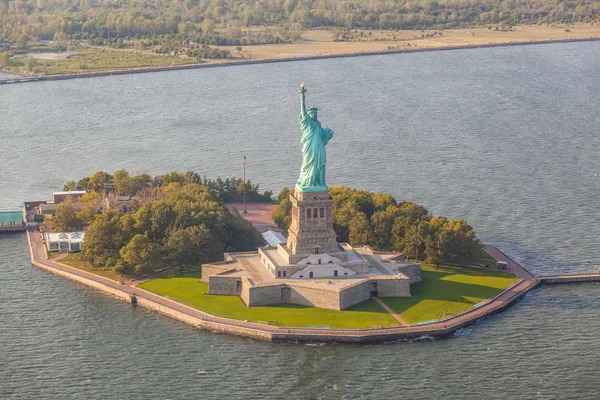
203,320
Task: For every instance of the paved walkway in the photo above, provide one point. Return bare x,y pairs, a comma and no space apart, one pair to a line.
513,266
306,334
259,215
386,308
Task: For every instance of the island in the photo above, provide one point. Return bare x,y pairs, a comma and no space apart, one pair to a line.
347,265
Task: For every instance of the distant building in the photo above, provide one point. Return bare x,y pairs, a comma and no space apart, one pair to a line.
117,202
59,197
64,241
12,221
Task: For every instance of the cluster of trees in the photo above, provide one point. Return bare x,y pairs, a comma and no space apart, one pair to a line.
204,51
175,218
376,219
230,189
182,224
221,21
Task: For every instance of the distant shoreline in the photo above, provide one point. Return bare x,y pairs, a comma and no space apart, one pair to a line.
25,79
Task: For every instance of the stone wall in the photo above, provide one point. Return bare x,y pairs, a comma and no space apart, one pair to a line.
202,323
308,296
96,285
264,295
216,268
413,272
224,285
355,294
393,287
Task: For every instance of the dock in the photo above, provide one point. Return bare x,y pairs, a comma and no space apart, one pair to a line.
12,221
569,278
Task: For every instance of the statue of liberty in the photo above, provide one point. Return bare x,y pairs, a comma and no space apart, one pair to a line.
314,138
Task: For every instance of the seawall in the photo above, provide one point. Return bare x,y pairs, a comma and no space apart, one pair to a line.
201,320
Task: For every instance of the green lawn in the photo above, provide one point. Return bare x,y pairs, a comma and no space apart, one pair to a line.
448,291
186,288
73,260
483,257
443,292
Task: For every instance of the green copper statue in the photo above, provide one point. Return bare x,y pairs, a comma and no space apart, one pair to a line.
314,138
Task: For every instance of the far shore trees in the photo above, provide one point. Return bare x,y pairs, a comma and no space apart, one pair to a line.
171,27
378,220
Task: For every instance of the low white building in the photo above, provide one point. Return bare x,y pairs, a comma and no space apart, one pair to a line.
273,238
64,241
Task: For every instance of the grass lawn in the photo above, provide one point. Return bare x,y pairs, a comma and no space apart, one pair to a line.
185,287
73,260
448,291
483,257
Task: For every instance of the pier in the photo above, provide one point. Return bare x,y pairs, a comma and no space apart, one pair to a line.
12,221
569,278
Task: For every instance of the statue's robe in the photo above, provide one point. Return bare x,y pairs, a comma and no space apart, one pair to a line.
314,138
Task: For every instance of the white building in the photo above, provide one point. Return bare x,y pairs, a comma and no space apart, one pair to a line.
64,241
273,238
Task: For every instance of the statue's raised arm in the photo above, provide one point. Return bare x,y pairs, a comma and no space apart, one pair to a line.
302,100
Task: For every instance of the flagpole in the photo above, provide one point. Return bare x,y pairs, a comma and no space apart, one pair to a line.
245,212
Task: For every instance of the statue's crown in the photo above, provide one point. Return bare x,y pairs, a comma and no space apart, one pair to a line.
313,109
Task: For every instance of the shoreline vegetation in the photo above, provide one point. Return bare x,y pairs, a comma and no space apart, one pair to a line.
96,61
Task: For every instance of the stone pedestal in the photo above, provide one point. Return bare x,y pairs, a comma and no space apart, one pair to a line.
311,230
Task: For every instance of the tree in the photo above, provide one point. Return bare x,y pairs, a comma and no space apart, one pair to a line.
414,239
92,206
102,240
139,252
65,218
243,235
463,245
401,225
381,201
360,231
435,247
282,215
382,223
69,185
5,58
84,182
154,219
100,180
130,185
192,245
31,64
413,211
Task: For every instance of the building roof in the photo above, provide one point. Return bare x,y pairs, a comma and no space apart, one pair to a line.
71,192
6,217
62,236
48,207
273,238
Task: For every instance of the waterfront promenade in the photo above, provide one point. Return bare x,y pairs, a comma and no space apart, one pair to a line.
134,295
